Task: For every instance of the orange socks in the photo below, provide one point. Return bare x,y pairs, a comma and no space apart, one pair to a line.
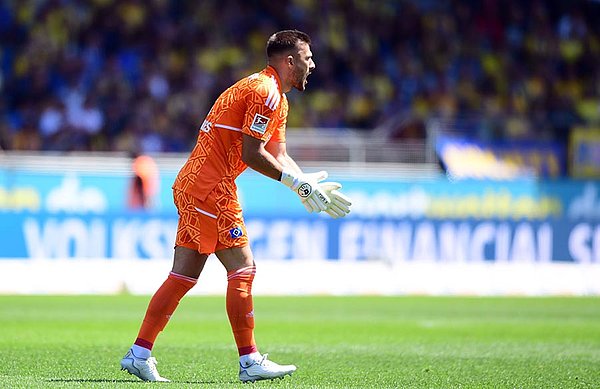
161,307
240,308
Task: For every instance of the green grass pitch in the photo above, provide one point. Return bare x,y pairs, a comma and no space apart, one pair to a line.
336,342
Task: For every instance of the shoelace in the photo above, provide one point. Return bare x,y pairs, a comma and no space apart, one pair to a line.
152,362
264,361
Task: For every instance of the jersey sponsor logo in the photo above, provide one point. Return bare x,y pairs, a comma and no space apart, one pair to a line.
260,123
236,232
305,190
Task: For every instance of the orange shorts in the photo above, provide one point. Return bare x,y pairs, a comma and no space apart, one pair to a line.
210,225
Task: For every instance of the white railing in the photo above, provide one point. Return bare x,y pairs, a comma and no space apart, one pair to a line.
357,146
347,152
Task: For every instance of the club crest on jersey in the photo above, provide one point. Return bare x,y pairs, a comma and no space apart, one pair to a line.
236,232
260,123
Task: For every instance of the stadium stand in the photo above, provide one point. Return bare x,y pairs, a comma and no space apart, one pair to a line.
109,75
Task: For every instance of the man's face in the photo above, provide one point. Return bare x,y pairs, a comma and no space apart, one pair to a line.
303,66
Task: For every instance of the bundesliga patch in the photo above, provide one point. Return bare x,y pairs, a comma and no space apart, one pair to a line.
236,232
260,123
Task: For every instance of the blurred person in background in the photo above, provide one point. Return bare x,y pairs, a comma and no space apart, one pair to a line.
143,186
244,128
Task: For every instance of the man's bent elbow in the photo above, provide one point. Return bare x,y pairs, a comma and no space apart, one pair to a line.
249,158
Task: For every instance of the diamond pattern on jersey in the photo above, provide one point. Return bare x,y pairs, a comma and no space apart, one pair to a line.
216,158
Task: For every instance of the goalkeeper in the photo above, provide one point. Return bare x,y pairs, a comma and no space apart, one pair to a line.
245,127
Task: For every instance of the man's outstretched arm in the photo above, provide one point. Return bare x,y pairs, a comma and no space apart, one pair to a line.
306,186
339,205
279,151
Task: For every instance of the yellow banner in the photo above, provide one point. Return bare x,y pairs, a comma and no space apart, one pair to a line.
584,152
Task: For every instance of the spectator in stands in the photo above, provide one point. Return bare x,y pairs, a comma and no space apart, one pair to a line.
150,69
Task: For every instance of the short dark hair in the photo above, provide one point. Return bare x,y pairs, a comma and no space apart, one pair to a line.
285,40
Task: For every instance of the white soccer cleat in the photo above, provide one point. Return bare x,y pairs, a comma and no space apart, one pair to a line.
144,369
264,370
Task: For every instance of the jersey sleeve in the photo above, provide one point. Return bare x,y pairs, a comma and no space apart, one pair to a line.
260,118
279,133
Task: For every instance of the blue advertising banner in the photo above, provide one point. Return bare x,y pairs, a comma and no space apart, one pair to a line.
86,193
357,239
84,215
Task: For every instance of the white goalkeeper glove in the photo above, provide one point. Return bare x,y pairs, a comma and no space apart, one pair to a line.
306,186
339,205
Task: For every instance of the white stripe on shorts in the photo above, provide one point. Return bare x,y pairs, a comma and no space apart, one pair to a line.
206,213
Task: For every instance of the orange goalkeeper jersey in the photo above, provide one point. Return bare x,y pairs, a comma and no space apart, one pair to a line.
254,106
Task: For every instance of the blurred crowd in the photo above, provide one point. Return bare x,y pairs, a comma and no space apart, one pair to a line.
139,75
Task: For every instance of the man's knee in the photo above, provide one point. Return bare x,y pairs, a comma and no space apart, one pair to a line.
235,258
188,262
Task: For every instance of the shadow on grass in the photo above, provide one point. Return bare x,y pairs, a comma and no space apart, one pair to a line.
83,380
